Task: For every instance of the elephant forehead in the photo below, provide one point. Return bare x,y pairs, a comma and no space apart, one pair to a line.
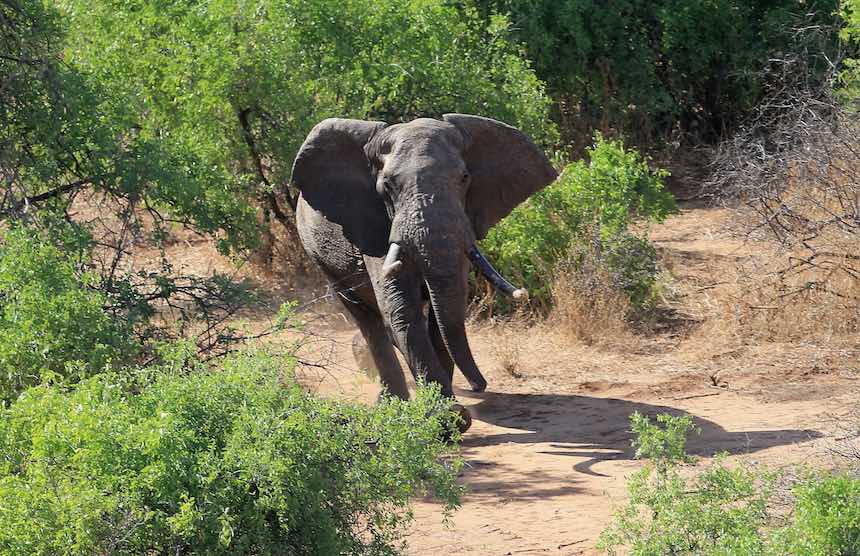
423,133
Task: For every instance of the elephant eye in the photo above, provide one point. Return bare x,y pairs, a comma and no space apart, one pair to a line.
466,177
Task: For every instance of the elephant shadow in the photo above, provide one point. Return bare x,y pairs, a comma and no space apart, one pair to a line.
598,429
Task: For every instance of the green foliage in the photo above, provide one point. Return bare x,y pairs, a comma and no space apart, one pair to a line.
631,262
850,13
53,324
237,460
238,84
827,518
66,135
666,446
722,510
718,512
63,130
586,214
654,68
189,113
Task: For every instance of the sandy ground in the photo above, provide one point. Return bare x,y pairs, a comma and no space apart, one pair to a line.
549,451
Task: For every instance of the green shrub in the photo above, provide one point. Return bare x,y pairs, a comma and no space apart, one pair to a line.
629,261
71,150
239,85
719,511
826,518
236,460
53,323
665,447
723,510
849,11
588,210
65,129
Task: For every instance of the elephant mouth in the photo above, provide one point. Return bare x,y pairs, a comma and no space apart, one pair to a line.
393,264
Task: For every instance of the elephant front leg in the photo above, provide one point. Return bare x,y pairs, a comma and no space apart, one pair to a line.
400,303
412,337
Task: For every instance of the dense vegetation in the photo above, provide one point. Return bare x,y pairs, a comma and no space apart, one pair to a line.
587,213
237,85
183,459
659,70
726,509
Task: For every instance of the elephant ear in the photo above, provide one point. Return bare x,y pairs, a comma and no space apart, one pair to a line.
505,165
334,174
333,158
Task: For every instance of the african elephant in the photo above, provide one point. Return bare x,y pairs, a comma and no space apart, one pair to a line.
392,213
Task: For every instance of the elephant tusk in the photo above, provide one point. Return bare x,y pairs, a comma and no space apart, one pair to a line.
520,295
391,264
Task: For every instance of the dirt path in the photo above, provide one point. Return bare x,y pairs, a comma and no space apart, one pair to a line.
549,451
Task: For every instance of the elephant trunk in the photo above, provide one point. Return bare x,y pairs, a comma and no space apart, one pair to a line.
440,256
449,306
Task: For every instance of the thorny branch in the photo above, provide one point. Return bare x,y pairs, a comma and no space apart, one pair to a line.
795,169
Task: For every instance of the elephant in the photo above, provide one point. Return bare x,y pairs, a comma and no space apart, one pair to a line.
391,215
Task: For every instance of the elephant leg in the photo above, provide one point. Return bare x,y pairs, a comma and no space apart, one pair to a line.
400,302
439,345
363,357
372,327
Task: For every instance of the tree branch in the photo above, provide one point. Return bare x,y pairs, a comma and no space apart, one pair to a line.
270,196
56,192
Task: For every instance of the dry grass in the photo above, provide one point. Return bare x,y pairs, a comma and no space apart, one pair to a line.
755,300
509,339
811,305
795,172
801,286
845,445
588,308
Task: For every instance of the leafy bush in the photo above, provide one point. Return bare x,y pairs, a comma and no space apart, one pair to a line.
653,69
827,518
628,261
64,131
130,117
239,85
53,324
723,510
585,214
90,185
231,461
719,511
849,11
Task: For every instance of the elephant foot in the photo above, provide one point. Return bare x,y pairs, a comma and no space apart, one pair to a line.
465,421
478,386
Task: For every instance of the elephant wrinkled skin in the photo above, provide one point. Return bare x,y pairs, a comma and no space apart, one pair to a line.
391,214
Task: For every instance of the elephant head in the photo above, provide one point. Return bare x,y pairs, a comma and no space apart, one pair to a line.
423,193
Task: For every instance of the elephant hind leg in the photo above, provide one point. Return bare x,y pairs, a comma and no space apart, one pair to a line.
377,341
363,357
